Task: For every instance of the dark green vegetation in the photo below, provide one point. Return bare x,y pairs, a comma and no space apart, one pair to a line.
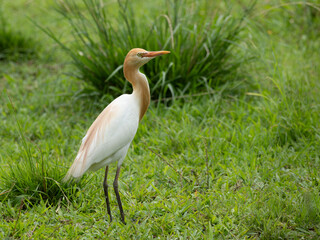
201,44
240,163
14,45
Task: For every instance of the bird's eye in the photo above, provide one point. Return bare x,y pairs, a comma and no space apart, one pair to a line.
142,54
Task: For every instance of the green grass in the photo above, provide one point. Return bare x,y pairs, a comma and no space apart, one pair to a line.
241,163
204,45
15,45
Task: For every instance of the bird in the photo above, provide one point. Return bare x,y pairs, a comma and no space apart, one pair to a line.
110,135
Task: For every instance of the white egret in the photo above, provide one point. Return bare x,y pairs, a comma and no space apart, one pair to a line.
110,135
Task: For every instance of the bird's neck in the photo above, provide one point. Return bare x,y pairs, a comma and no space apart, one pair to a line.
140,88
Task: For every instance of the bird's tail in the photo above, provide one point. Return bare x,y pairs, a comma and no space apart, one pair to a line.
76,170
68,176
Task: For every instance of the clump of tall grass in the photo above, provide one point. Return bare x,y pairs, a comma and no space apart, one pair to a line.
201,42
14,45
32,178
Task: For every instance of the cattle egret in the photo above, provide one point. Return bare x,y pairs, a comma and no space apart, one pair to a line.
110,135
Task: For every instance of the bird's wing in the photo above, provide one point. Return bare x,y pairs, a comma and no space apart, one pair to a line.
112,130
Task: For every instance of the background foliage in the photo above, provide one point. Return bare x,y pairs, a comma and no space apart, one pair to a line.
14,45
202,44
239,163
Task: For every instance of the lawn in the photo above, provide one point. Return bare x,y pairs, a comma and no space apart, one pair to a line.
238,162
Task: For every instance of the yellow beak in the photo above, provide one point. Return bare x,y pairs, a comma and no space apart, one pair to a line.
154,53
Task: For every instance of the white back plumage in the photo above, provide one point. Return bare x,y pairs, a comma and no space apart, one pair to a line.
109,137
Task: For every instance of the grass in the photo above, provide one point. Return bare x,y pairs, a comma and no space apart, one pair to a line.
240,163
15,45
100,39
32,179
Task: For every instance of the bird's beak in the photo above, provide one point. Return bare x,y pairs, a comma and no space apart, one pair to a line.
154,53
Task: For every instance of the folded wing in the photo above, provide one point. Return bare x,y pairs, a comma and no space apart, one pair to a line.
112,131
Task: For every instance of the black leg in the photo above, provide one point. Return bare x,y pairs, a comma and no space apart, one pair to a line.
116,190
106,195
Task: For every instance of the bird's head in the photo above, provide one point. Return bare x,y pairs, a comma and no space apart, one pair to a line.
137,57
